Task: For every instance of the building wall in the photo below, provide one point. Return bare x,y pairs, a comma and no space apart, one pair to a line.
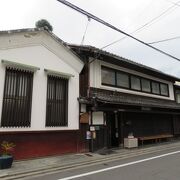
41,56
95,80
41,50
40,144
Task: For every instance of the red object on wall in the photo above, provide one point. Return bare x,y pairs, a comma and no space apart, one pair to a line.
39,144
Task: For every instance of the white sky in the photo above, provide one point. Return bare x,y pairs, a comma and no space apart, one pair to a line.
128,15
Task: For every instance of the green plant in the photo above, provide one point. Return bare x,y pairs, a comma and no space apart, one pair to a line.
43,23
7,148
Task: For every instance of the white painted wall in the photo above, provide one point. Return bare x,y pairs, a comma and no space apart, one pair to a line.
95,80
41,52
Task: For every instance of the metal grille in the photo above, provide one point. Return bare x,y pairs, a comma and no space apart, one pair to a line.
57,102
16,111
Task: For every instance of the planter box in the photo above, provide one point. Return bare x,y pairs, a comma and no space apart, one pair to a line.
6,162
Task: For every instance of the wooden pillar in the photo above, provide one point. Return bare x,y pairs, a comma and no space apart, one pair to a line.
121,129
116,124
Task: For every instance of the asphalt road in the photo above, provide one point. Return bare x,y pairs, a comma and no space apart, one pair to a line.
156,166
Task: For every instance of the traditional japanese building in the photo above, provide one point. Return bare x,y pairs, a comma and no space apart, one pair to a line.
120,97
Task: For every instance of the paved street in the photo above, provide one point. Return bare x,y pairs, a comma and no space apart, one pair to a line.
155,166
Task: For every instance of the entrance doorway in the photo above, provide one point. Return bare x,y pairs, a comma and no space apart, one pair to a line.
113,129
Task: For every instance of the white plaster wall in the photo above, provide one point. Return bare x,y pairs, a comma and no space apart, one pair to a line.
95,80
40,56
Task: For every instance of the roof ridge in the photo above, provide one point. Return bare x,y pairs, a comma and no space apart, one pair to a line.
123,59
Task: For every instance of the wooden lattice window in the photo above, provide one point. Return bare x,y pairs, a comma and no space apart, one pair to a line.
17,100
57,102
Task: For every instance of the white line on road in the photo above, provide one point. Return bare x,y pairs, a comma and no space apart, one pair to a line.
119,166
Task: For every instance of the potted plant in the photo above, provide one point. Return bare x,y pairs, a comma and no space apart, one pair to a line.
6,158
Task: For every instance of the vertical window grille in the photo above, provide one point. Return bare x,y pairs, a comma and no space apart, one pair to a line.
16,111
57,102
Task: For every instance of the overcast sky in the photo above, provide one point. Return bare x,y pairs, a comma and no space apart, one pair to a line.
127,15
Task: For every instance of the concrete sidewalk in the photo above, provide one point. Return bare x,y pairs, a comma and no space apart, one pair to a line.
22,169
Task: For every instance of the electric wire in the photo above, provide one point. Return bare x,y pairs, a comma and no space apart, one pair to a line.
164,40
141,27
140,14
76,8
176,4
89,19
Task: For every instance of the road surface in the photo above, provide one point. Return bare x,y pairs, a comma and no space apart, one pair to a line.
163,165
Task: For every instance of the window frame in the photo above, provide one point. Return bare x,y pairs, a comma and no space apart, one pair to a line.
121,72
149,83
20,101
110,69
129,78
54,102
158,86
177,98
167,89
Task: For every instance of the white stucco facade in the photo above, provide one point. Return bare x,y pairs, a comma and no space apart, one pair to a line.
42,50
95,80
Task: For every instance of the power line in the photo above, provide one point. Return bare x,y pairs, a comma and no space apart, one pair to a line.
176,4
140,14
164,40
89,19
113,27
142,27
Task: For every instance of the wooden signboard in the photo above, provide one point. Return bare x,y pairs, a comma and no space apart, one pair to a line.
84,118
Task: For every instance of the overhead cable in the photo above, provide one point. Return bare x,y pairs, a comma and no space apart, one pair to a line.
141,27
175,3
89,19
164,40
113,27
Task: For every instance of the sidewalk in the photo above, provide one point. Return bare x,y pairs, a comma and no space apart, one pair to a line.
21,169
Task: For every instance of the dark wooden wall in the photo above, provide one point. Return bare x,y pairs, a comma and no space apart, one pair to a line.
146,124
84,80
83,142
176,124
100,141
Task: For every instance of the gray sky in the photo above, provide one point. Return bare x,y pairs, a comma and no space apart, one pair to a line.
128,15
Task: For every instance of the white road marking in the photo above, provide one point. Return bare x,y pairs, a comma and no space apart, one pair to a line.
119,166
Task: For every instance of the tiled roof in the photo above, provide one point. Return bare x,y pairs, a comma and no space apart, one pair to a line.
117,59
130,99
